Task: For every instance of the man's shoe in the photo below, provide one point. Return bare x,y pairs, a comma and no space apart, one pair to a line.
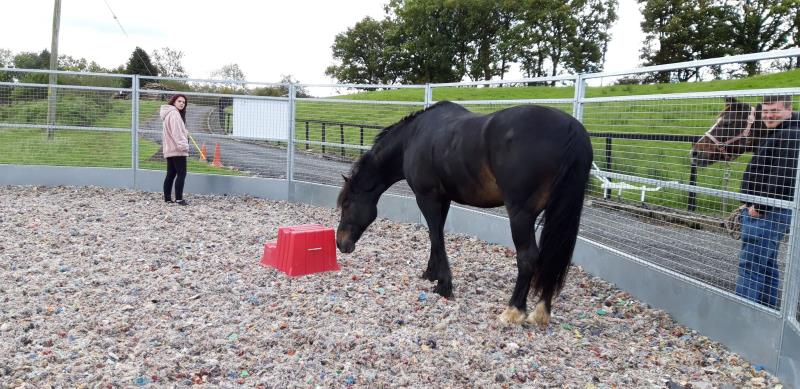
181,202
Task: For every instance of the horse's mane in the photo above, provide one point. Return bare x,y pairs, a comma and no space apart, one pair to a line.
408,118
383,135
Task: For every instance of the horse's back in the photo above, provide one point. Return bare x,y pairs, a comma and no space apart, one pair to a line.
528,146
474,158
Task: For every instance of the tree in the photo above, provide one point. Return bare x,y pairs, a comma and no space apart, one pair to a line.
678,31
139,63
429,38
506,39
169,62
282,91
230,72
557,35
423,41
796,34
485,25
426,41
762,25
32,60
6,58
586,52
367,53
530,47
67,62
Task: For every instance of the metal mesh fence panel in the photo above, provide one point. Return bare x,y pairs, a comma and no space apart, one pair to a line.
232,133
666,185
64,125
331,133
667,176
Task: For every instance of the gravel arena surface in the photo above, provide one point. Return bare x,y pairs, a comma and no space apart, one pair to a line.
115,288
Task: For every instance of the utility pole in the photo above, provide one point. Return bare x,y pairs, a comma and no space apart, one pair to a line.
51,90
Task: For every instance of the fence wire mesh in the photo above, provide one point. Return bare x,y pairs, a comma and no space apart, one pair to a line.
667,181
249,146
331,133
661,189
66,125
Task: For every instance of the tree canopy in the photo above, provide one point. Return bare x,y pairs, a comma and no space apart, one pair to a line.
678,31
423,41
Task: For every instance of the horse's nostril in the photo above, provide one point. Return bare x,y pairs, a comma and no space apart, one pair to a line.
345,247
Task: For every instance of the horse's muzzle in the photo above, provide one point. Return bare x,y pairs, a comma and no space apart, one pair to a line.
344,241
346,247
699,159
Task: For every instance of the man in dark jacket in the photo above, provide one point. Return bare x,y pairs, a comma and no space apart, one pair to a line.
771,173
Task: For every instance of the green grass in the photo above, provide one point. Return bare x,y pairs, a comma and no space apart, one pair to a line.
85,148
766,81
666,161
77,110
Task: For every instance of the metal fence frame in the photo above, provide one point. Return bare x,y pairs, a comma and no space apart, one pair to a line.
775,344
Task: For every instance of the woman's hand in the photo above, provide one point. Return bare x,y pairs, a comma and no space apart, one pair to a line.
751,210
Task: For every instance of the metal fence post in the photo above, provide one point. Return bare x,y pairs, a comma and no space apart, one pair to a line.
52,105
135,126
428,99
341,138
290,140
323,138
580,93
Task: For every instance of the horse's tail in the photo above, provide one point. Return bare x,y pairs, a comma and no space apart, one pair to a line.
563,214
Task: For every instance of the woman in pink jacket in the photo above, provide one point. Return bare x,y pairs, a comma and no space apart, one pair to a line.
176,146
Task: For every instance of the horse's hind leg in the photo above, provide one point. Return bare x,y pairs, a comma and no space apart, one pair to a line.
523,234
435,212
541,315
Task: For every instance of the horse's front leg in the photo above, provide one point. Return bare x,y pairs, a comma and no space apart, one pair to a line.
438,269
524,237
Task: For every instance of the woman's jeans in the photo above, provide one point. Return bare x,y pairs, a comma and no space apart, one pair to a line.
758,265
176,171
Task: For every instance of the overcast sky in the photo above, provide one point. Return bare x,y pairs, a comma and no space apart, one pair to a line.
266,38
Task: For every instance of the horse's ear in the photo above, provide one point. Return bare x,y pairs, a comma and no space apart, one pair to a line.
346,179
731,101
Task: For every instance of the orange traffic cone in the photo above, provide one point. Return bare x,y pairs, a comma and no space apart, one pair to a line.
217,157
204,153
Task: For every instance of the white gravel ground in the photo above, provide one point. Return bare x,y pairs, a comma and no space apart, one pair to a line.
114,288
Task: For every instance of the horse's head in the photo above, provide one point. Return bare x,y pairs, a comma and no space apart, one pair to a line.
358,201
732,134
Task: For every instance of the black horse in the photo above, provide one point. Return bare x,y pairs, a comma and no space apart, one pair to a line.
528,158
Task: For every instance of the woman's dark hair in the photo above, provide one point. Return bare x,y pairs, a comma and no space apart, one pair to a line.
181,111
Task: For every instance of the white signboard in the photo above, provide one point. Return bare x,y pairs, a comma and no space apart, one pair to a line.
261,119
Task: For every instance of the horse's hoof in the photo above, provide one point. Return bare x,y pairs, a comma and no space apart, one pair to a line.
428,275
512,315
444,290
539,316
